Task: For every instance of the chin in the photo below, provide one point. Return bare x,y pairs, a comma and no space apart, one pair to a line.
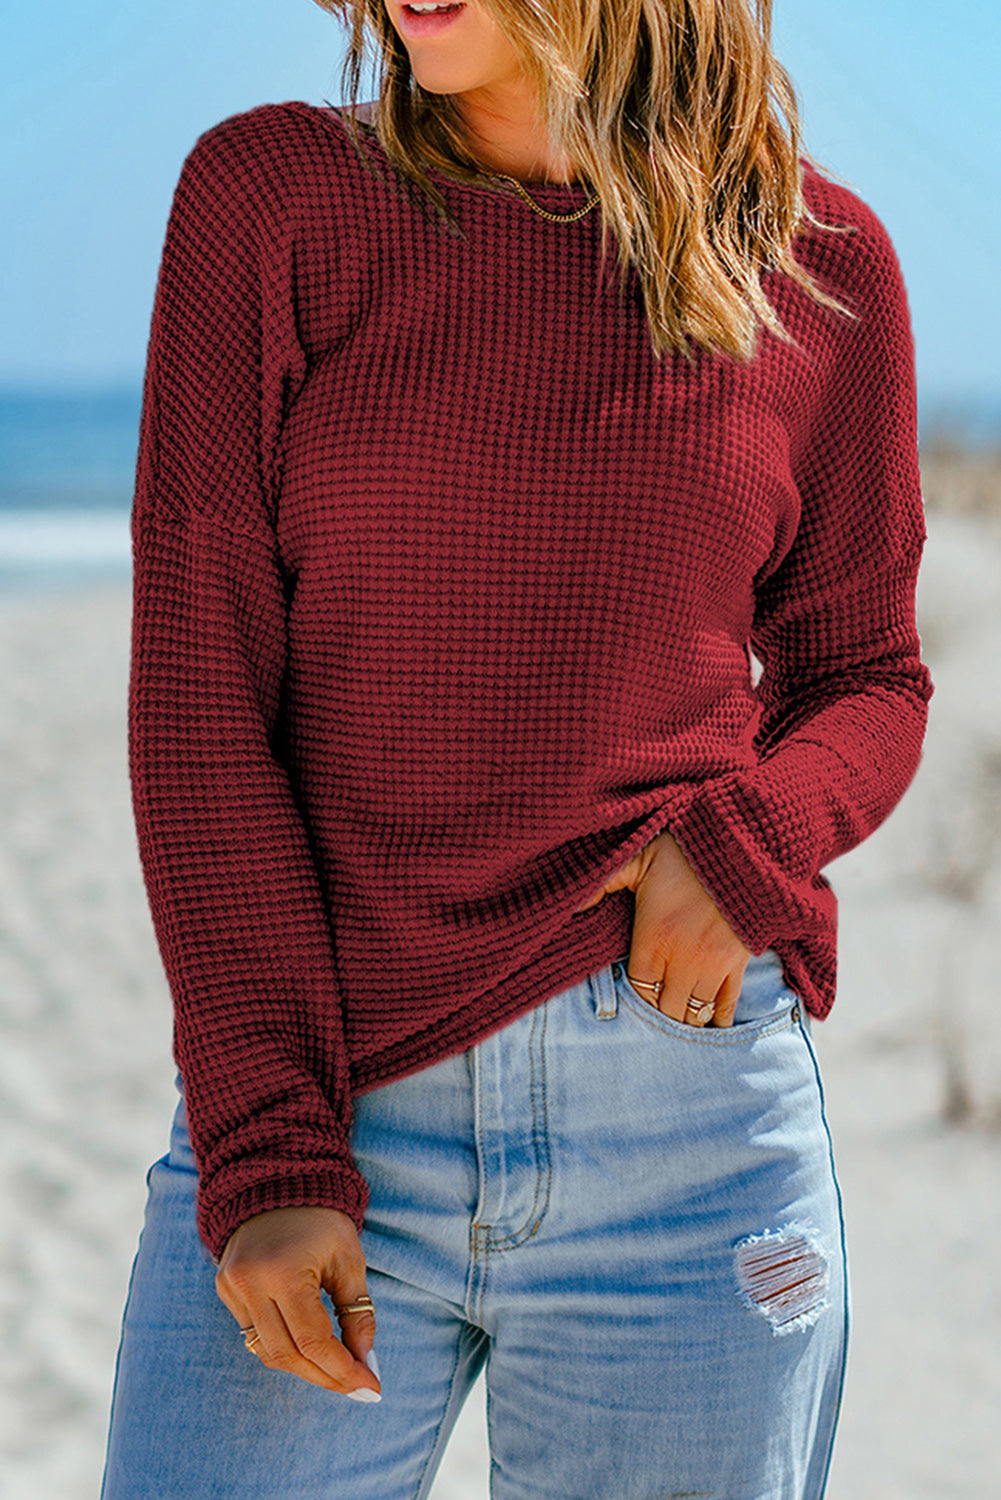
441,79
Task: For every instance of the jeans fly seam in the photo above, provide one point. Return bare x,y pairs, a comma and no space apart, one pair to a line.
170,1392
540,1138
477,1276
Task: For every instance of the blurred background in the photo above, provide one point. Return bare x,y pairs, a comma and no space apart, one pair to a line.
98,107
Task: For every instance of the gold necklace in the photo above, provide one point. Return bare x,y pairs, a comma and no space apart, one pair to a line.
556,218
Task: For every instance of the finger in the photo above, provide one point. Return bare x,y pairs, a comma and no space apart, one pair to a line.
689,984
241,1315
699,1012
233,1303
591,901
648,985
277,1346
358,1333
646,969
295,1340
622,879
312,1332
693,969
655,953
346,1287
680,974
727,997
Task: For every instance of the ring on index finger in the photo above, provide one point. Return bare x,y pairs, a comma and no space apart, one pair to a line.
653,985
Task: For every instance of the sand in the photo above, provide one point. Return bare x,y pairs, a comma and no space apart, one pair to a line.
86,1079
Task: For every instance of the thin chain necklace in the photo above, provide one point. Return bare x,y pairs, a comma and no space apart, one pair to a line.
556,218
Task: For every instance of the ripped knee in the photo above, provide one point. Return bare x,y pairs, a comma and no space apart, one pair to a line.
783,1275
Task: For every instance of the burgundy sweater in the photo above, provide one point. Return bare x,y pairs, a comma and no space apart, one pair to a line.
446,593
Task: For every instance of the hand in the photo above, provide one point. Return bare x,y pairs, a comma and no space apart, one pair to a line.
679,934
270,1276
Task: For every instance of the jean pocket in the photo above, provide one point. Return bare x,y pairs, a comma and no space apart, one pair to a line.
769,1007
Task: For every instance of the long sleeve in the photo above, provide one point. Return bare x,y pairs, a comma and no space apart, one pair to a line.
843,692
232,882
397,701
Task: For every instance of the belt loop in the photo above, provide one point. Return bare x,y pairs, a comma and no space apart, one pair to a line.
604,994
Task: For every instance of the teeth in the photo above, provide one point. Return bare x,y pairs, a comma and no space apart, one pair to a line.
427,9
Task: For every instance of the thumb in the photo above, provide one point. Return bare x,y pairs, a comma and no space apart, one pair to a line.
624,879
591,901
353,1309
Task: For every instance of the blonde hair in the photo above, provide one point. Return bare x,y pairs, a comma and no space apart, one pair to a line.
673,111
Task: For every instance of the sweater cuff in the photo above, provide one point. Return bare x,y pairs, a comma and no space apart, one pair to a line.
219,1217
763,902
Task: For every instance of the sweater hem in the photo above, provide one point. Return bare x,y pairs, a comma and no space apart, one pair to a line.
603,935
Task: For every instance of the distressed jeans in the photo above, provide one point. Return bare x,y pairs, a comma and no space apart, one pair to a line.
633,1224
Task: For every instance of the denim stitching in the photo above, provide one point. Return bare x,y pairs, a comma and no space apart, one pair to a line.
477,1274
478,1233
511,1241
845,1295
604,995
743,1034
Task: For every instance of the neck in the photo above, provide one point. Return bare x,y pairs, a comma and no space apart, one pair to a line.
505,136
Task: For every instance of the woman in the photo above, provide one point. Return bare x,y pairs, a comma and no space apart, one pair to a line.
486,877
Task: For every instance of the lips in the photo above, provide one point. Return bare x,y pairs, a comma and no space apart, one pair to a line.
428,23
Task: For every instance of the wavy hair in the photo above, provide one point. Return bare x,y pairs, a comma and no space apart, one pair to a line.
679,116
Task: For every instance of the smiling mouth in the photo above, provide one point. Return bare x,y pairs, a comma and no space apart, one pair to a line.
426,21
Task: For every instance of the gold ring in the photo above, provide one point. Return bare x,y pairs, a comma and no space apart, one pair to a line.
703,1009
364,1304
646,984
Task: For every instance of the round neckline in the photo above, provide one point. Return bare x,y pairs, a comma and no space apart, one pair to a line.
552,195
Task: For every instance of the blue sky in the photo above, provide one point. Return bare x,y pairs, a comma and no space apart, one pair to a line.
100,103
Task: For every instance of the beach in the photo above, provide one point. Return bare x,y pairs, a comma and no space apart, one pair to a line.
911,1056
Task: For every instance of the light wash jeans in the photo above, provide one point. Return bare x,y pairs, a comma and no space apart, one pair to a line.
633,1223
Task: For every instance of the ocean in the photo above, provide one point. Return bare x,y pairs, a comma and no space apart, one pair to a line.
67,468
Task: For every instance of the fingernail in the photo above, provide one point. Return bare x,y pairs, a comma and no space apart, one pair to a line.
363,1395
373,1363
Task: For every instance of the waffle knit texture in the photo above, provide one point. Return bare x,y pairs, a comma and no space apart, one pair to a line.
447,600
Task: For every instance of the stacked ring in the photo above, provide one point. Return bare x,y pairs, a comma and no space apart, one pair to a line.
363,1304
702,1010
